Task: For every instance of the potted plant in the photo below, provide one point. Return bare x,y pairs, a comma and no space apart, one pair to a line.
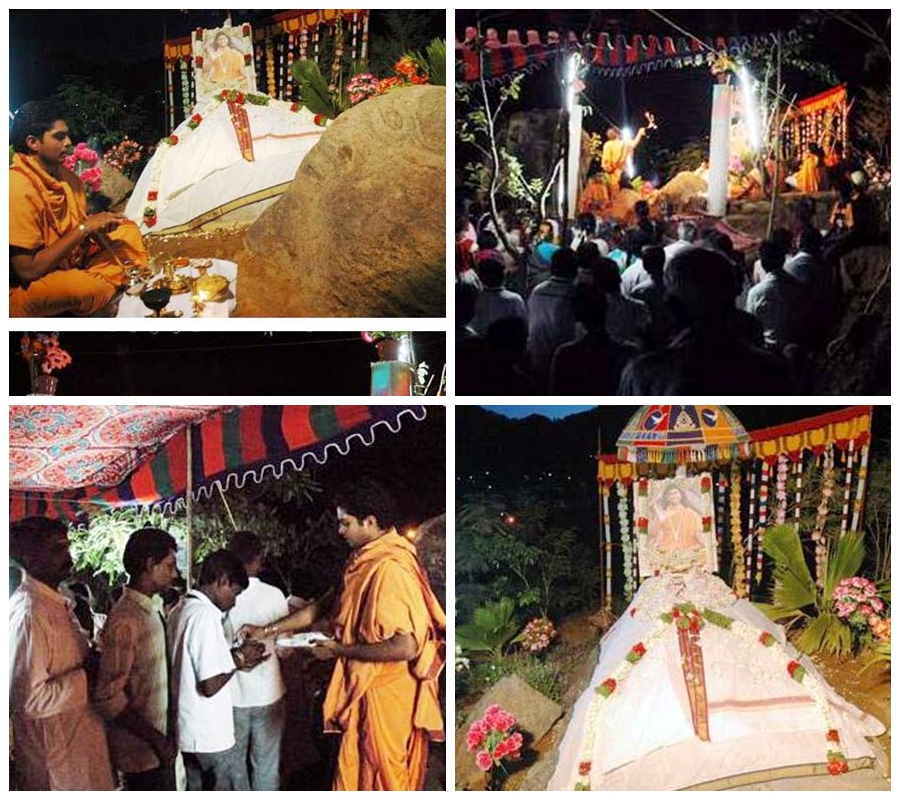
387,343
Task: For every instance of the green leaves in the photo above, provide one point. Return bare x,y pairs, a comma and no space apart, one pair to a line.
492,628
436,56
794,585
313,87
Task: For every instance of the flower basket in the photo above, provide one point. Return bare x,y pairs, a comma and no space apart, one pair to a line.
388,349
45,384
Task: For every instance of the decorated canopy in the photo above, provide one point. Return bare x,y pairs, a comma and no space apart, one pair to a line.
65,460
680,434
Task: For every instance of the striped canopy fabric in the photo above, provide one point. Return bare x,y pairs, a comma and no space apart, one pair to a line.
228,446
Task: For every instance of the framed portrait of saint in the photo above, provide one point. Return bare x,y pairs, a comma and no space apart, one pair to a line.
674,524
223,59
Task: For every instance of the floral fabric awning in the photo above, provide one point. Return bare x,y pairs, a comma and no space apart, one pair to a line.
226,449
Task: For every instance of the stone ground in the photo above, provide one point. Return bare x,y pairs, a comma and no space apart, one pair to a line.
870,691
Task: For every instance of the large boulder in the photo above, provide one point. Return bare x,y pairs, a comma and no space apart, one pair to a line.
534,713
362,230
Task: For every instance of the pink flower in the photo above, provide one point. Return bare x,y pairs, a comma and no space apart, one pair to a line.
484,760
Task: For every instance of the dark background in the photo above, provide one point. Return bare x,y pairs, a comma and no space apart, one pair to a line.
210,364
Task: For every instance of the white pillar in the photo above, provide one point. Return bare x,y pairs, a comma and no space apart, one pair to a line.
719,146
574,166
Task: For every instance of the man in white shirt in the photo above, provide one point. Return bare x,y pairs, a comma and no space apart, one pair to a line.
60,743
133,684
495,302
203,664
258,696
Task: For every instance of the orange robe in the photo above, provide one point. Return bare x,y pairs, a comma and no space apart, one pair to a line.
595,196
613,160
386,712
809,177
43,209
225,65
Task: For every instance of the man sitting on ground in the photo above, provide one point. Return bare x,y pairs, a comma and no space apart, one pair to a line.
56,266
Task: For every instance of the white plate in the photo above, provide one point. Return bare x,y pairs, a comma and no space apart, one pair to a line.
307,639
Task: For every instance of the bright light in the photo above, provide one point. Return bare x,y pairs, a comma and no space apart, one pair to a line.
628,136
572,65
405,351
750,115
510,520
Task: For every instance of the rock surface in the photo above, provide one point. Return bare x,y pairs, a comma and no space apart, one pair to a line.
534,713
362,230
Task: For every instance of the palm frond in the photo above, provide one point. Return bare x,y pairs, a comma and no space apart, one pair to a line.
436,55
845,557
794,585
313,87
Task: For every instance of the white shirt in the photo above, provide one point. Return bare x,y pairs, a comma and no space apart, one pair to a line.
494,304
133,675
259,604
199,652
60,742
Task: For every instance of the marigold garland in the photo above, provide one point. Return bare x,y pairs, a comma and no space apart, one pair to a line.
737,542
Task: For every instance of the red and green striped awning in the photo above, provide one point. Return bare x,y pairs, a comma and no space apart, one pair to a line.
65,460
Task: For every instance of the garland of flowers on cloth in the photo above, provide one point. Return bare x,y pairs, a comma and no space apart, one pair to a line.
738,579
818,534
627,540
232,96
763,518
781,476
686,616
849,460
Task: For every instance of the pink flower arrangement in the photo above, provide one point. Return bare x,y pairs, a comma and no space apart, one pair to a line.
856,600
538,634
45,349
124,154
82,161
361,86
493,738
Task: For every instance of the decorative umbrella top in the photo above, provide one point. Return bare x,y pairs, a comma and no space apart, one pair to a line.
682,434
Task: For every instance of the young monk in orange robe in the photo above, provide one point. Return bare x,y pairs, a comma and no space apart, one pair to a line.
54,266
389,644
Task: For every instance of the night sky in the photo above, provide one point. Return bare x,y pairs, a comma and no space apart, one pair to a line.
680,98
120,48
218,364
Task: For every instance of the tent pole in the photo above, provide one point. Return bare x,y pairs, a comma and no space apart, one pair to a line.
189,503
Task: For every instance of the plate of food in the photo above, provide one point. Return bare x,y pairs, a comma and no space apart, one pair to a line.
306,639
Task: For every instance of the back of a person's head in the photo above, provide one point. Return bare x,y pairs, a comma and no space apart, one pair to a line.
246,545
466,297
147,543
586,222
461,223
491,271
810,241
771,256
366,497
508,336
606,275
564,264
30,537
33,119
687,231
589,305
487,240
701,281
223,564
654,259
782,237
642,209
587,253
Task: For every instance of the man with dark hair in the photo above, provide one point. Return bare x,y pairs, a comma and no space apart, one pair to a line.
55,265
495,302
258,696
551,321
60,743
652,293
625,316
133,685
389,645
706,357
777,300
203,663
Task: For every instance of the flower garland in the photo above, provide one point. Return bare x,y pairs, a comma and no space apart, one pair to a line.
687,616
627,540
270,67
849,458
185,87
781,476
818,534
751,529
763,518
720,514
738,580
338,57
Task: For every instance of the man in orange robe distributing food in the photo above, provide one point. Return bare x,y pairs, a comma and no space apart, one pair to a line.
389,644
56,265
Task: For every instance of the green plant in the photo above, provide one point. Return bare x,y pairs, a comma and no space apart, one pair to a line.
795,597
314,92
492,628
